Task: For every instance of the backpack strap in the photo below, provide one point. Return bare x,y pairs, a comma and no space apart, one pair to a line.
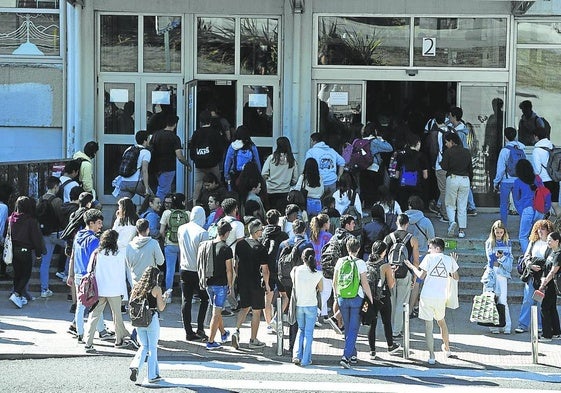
420,230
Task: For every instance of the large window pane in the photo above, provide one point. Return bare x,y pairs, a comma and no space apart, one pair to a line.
161,100
162,44
46,4
537,80
118,109
539,33
363,41
215,45
462,42
119,43
259,54
258,110
29,34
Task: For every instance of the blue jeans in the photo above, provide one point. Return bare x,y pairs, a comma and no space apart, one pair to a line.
527,219
471,201
80,309
164,184
350,309
171,253
306,318
148,337
50,242
504,196
527,303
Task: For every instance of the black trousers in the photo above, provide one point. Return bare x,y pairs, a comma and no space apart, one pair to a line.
22,264
385,312
190,285
550,316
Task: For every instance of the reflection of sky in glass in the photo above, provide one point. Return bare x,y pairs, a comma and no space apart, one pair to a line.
539,33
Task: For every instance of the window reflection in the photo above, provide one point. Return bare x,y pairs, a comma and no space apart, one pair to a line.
539,33
162,44
215,45
259,46
363,41
258,110
119,43
119,108
112,154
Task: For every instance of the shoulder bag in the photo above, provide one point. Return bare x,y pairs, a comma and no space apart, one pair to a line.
8,254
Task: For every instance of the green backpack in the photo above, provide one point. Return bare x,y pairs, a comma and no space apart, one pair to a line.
177,218
348,279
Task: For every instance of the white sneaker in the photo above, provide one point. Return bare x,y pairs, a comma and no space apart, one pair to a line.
23,300
16,300
46,293
452,229
446,353
168,299
461,234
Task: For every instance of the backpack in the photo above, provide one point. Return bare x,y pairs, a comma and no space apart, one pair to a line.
60,193
515,155
373,274
212,231
553,167
48,220
348,279
361,155
177,218
140,312
391,217
289,257
129,161
546,125
542,197
241,157
398,254
330,254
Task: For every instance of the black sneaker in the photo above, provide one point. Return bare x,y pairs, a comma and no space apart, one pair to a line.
73,308
80,339
192,336
471,212
394,348
72,330
353,360
202,335
134,374
345,363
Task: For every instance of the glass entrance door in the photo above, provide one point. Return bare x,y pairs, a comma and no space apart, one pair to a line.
484,115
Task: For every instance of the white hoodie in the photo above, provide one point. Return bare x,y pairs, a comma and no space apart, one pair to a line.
189,237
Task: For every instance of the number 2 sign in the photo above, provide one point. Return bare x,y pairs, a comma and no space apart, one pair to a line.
429,46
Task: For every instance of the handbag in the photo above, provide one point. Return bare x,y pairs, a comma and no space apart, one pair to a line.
502,318
87,290
8,254
292,308
484,309
452,295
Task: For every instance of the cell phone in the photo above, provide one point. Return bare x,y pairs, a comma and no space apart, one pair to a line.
500,252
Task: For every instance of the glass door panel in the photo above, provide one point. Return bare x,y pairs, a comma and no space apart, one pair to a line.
161,100
484,116
118,108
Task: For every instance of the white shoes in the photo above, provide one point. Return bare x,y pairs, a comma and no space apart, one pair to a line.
446,353
16,300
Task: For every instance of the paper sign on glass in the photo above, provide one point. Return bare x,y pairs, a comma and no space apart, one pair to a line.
118,95
258,100
429,46
339,98
161,97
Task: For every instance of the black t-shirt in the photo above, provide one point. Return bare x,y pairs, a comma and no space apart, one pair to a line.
164,145
221,254
251,255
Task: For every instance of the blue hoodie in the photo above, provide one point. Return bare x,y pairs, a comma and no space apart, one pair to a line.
85,243
328,160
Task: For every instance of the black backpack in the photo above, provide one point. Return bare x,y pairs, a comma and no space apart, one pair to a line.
374,277
140,312
60,193
129,162
289,257
46,215
330,253
398,253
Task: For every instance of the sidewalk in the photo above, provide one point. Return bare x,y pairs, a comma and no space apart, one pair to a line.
39,331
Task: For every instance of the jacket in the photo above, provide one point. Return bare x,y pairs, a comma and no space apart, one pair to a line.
26,233
378,145
505,262
421,227
141,253
522,195
85,244
189,237
205,262
540,156
502,162
86,172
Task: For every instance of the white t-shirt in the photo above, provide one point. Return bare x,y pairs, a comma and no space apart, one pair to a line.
438,267
67,188
305,283
361,265
126,234
236,233
144,155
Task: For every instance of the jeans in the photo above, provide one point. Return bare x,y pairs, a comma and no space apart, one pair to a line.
504,196
471,201
306,318
350,309
501,289
80,308
148,337
190,285
400,294
456,199
527,303
164,184
441,182
527,219
171,253
50,242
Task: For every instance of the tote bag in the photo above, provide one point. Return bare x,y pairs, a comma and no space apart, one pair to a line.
8,254
452,295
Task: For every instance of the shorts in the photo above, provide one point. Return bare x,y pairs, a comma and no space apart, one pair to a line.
553,187
217,295
252,297
430,309
274,282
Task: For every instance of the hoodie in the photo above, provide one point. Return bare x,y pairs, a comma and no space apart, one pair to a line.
189,237
25,233
328,160
86,172
85,244
232,151
279,177
142,252
421,227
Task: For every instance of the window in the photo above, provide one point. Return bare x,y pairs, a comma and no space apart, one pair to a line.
119,43
259,46
216,45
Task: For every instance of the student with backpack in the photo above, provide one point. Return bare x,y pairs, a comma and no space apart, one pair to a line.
150,210
133,170
402,246
319,237
68,180
350,285
412,170
381,280
545,159
170,222
510,154
241,151
346,196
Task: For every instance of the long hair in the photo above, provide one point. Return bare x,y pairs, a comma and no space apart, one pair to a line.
25,205
309,259
149,279
311,173
492,238
316,224
346,184
243,134
146,204
129,217
525,172
540,224
108,242
378,248
283,147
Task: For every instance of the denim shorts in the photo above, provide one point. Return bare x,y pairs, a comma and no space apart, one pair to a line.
217,295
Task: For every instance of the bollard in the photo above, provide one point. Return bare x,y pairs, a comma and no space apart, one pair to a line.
405,330
534,335
280,329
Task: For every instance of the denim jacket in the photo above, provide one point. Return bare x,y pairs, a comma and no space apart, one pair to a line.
505,262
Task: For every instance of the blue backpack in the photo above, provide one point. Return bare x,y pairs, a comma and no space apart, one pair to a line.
515,155
242,157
